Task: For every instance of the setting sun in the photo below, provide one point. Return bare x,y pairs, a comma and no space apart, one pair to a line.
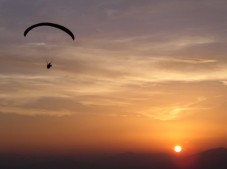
177,149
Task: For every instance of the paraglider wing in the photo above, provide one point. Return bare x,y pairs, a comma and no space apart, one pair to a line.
52,25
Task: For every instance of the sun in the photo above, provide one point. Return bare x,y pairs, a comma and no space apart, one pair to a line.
177,149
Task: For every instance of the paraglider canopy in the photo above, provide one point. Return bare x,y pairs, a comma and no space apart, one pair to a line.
66,30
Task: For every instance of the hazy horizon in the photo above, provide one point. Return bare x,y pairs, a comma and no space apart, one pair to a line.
141,76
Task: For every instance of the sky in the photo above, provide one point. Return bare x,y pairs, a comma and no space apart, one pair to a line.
141,76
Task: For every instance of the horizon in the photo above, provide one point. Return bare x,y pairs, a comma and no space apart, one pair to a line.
209,159
140,76
93,154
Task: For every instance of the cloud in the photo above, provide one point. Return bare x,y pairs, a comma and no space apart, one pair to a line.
173,112
123,47
169,113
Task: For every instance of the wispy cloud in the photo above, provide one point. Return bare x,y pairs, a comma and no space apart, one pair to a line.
173,112
120,44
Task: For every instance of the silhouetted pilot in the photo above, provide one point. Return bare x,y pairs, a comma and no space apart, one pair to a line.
49,65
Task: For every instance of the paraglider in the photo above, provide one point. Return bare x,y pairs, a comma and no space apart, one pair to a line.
66,30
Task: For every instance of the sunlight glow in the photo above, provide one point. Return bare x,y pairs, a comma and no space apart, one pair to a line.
177,149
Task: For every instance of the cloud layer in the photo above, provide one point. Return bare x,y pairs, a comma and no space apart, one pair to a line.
122,46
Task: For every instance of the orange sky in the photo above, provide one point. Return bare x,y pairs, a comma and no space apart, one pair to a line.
142,76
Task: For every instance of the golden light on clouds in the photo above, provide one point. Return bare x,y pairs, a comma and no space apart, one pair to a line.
141,75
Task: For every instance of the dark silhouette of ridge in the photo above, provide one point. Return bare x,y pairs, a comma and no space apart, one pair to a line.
210,159
214,158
